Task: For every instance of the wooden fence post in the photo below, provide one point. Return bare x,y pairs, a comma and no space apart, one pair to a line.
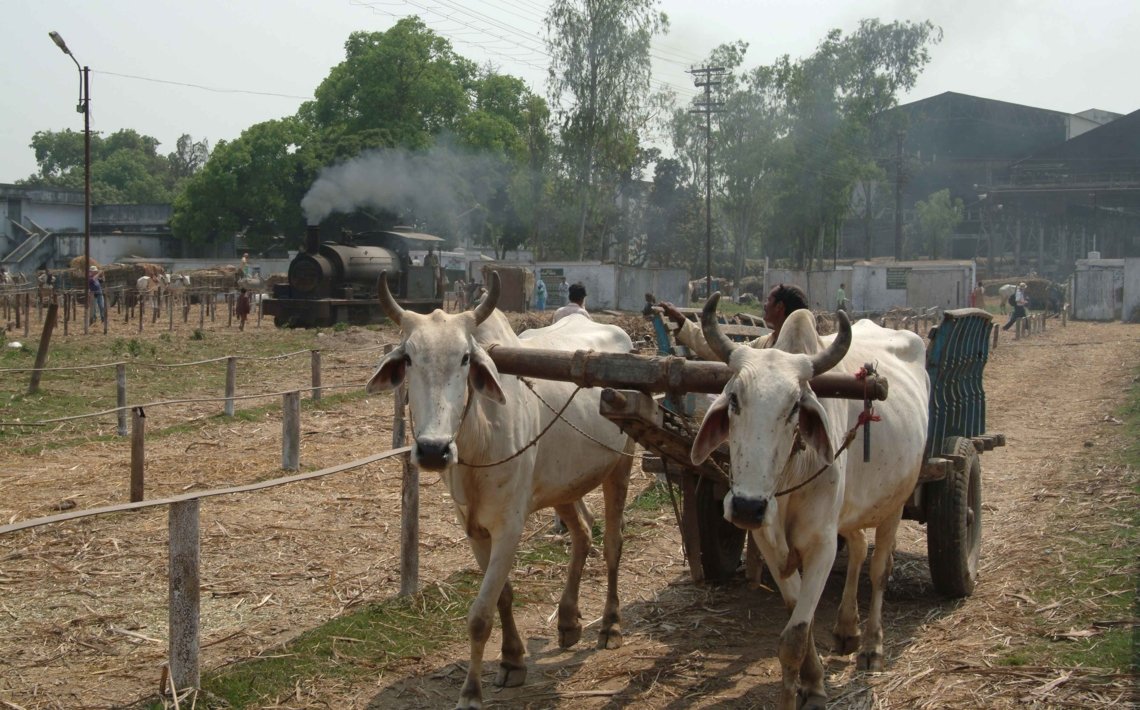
121,396
229,310
291,431
997,330
315,366
184,599
201,312
66,310
142,310
409,498
138,453
28,313
45,344
231,383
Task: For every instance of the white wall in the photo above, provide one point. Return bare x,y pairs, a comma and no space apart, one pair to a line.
1097,287
1131,311
916,284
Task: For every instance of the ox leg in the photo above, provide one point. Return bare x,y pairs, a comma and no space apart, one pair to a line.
846,629
802,671
871,655
615,489
569,616
496,556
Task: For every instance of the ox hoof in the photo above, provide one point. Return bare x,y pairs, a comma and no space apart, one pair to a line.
469,703
610,639
510,676
845,644
811,702
869,661
569,636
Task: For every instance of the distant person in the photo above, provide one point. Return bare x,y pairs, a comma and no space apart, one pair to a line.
95,284
242,309
576,306
563,292
647,309
783,299
841,298
245,265
1020,302
978,297
540,295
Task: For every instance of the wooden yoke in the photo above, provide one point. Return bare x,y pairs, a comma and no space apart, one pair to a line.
657,373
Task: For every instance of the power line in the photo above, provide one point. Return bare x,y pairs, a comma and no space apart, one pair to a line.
202,87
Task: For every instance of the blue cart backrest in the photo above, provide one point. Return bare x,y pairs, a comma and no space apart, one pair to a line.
955,360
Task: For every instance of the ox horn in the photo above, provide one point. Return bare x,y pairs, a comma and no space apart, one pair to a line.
823,361
718,341
387,303
487,305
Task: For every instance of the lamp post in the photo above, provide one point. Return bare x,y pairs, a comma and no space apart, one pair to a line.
84,107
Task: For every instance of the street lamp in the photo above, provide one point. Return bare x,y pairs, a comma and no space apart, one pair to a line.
84,107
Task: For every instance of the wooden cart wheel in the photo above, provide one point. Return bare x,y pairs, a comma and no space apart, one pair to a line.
721,542
954,522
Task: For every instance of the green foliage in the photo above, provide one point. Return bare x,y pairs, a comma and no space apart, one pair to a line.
937,218
126,167
133,347
198,334
599,85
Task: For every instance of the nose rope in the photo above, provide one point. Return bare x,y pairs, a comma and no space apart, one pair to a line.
864,417
557,416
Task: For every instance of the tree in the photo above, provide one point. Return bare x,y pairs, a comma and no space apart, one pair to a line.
834,98
599,85
126,167
937,218
252,185
673,219
405,82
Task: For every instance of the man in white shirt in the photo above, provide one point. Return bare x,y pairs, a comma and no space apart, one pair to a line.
577,296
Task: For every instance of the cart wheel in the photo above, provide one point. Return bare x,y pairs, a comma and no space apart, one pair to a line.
954,523
721,541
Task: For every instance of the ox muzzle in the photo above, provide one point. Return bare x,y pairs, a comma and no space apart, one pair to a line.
434,454
746,513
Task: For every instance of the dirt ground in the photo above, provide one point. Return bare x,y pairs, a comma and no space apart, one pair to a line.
83,604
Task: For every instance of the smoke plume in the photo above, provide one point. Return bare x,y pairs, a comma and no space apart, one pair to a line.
437,182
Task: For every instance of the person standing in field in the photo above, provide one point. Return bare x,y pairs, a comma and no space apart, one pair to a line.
242,309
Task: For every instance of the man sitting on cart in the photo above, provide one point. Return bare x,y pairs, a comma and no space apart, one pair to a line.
783,299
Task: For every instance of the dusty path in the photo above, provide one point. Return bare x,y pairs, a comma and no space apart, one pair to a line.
82,606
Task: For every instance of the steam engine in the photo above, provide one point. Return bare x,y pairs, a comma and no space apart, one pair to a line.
335,282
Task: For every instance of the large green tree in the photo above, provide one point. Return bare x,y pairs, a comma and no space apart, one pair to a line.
599,86
401,99
126,167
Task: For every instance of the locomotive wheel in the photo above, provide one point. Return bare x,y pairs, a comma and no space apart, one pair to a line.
954,523
721,541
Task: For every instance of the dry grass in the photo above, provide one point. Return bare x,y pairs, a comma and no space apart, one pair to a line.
82,611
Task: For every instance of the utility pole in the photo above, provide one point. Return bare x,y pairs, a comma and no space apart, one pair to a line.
707,77
898,195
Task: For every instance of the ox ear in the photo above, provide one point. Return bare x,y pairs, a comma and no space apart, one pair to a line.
484,376
713,432
813,427
389,374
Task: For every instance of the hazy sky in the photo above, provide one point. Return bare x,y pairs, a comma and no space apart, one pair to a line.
211,68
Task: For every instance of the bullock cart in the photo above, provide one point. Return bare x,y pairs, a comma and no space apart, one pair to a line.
947,497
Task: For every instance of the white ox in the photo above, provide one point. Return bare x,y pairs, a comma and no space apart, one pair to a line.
476,427
1004,293
779,435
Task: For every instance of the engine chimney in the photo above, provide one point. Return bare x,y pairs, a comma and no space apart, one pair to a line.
312,238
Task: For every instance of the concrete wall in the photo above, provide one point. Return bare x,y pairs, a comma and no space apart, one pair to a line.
1098,289
1131,310
877,287
665,285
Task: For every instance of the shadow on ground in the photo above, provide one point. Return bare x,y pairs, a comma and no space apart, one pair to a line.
691,646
